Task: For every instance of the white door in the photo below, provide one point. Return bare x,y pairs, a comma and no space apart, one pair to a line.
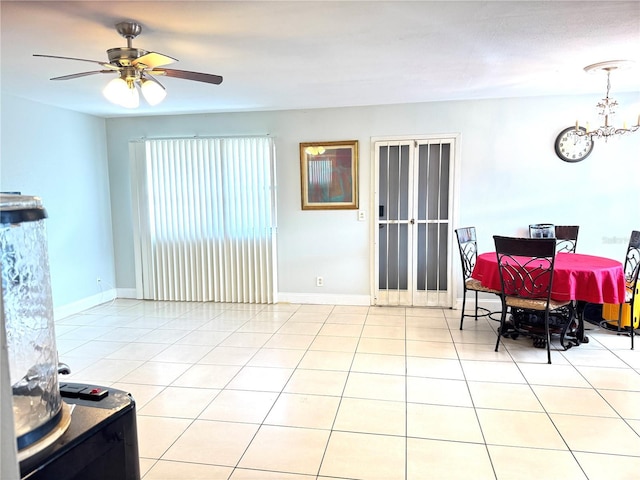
414,198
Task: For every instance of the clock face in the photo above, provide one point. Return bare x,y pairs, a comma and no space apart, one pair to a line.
571,147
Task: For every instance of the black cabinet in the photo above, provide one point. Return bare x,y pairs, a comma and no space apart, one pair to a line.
101,442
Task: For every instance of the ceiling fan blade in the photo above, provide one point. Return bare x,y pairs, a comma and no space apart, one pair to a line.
153,59
105,65
186,75
78,75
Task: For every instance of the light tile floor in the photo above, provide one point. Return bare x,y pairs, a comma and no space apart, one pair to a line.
226,391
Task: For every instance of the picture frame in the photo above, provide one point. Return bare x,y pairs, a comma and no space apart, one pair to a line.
329,175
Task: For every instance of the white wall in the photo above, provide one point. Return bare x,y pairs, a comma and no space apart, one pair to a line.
61,156
510,176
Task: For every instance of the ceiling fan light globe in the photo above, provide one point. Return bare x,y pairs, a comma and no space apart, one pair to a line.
152,92
115,90
131,99
118,91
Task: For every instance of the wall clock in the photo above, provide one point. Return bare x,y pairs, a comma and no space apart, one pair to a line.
573,148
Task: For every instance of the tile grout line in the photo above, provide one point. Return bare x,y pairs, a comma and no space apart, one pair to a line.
475,410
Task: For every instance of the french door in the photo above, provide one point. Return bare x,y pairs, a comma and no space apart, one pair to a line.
414,193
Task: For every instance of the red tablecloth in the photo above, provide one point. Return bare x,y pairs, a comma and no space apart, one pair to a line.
576,277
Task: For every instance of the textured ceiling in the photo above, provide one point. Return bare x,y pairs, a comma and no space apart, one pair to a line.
303,54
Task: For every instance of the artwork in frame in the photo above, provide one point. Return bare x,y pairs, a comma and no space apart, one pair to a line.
329,175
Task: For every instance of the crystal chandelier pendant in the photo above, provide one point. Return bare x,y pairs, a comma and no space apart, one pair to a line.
607,106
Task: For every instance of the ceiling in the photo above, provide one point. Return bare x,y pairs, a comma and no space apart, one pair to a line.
303,54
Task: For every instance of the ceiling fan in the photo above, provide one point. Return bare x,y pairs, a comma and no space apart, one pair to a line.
135,67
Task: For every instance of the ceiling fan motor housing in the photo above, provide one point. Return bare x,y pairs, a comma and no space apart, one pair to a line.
123,56
129,29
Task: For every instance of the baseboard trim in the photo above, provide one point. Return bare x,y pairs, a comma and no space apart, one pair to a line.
283,297
323,299
127,293
492,304
64,311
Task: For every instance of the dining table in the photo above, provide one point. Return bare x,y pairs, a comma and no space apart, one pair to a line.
577,277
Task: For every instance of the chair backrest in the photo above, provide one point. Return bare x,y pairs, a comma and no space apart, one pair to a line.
566,238
526,266
541,230
632,263
468,247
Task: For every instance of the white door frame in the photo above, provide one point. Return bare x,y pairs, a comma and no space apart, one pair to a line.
454,182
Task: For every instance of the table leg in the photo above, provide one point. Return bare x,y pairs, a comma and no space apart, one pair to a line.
580,306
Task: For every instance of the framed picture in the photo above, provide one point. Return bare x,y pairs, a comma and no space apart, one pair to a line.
329,175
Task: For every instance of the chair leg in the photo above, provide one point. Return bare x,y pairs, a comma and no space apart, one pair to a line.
548,335
476,292
503,317
632,320
464,301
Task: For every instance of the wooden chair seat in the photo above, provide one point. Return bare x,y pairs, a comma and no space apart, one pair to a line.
534,303
473,284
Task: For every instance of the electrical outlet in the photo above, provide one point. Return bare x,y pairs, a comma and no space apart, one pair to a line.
361,216
98,280
319,282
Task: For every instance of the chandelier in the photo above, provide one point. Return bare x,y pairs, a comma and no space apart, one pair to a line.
606,107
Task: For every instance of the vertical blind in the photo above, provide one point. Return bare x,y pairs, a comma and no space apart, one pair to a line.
206,217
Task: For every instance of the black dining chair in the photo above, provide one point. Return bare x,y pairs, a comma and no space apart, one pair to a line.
468,247
541,230
631,272
526,268
566,238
